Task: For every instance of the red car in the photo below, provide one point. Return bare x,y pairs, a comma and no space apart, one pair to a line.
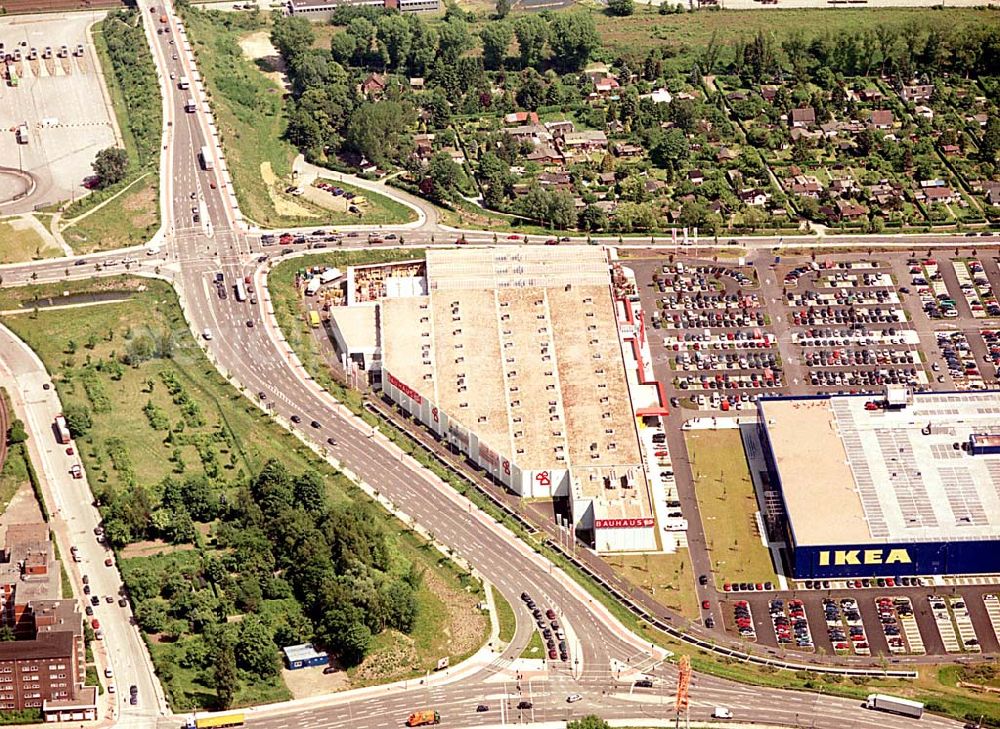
706,605
95,624
513,236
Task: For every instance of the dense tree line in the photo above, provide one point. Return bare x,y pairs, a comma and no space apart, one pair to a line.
133,68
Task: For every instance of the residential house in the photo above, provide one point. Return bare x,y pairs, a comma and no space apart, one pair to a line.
798,133
805,186
951,149
560,127
653,186
658,96
842,186
417,83
885,194
584,141
737,96
521,117
606,178
605,85
626,149
849,210
913,93
534,133
374,85
769,93
992,190
457,156
754,196
978,119
725,155
696,177
942,195
803,117
545,154
555,180
925,111
424,144
880,119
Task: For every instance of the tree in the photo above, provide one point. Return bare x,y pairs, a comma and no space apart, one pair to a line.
224,675
990,144
151,616
443,175
453,40
621,7
394,33
377,131
532,34
78,420
496,38
292,35
672,149
400,604
110,166
591,721
573,38
16,433
255,651
354,642
503,8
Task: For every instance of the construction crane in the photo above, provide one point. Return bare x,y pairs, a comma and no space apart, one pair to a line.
683,684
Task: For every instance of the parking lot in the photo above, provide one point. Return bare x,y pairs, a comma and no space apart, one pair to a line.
723,333
60,101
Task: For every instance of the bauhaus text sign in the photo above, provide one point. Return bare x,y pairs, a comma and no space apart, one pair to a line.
645,521
405,389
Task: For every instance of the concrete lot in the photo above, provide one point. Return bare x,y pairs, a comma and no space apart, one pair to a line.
62,100
858,316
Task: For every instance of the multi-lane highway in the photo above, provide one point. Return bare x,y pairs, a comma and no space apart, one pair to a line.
241,337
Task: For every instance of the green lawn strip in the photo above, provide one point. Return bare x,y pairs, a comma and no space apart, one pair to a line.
22,716
130,219
727,503
23,244
667,577
506,617
535,647
14,474
93,679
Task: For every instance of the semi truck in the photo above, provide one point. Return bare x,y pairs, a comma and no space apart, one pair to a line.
182,83
62,430
189,106
894,705
206,158
22,133
217,721
423,718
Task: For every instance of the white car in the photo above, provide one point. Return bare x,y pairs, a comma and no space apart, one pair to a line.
721,712
207,334
108,672
573,698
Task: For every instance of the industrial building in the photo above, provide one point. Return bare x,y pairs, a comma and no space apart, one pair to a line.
902,485
304,655
517,358
322,10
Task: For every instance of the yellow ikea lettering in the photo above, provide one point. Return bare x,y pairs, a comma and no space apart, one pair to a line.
824,559
898,556
846,556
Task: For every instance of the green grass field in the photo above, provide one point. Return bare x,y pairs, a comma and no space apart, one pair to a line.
13,475
667,577
21,242
727,503
505,616
130,219
72,342
535,647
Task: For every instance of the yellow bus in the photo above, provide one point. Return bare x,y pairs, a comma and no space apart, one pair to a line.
314,319
215,722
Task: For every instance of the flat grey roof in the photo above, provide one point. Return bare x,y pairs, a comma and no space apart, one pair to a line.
854,476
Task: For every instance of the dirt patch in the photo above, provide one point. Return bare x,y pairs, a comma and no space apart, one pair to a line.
258,48
401,658
143,203
22,509
282,205
464,629
306,682
324,199
153,547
